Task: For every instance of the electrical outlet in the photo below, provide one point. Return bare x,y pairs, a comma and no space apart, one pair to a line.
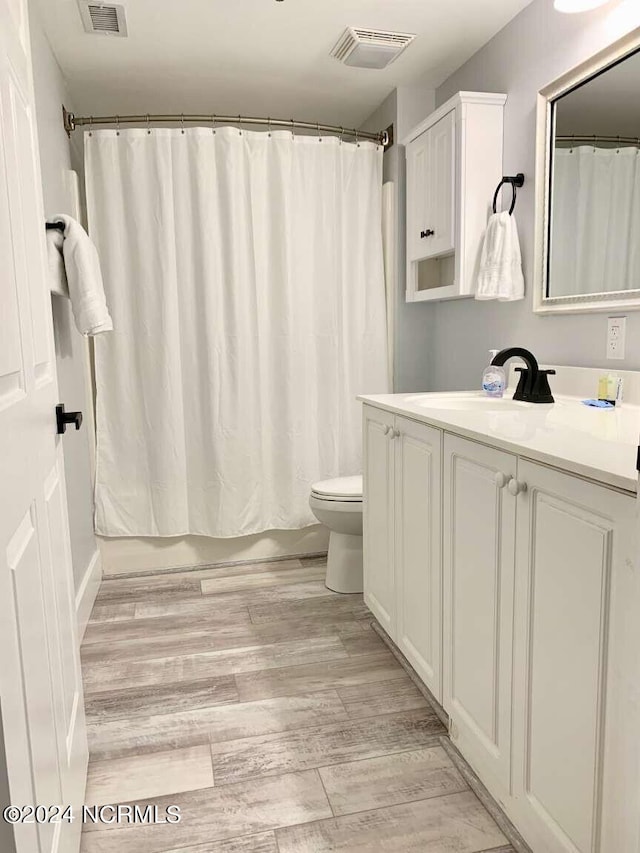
616,330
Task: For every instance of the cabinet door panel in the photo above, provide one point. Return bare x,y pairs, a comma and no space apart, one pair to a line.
479,550
417,195
568,541
430,191
418,553
440,209
378,520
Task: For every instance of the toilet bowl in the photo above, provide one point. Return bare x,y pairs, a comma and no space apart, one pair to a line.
338,504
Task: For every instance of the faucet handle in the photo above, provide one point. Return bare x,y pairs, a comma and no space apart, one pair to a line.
541,389
519,393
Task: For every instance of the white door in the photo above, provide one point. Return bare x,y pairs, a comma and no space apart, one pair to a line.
378,517
478,569
40,685
576,715
418,452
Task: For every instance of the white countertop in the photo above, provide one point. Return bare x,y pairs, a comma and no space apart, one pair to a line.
600,444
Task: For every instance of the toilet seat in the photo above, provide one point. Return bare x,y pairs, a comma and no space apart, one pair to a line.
340,489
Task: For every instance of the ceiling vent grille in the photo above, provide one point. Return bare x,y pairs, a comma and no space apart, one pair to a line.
366,48
106,19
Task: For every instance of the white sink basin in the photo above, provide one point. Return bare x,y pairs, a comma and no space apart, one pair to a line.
467,403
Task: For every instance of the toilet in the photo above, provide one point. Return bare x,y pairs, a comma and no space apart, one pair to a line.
338,505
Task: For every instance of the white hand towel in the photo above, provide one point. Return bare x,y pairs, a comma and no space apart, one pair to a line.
500,276
57,275
86,289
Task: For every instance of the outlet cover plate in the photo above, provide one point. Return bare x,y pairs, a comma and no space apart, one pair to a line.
616,331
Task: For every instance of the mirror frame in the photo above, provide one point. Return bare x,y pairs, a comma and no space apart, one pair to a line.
628,300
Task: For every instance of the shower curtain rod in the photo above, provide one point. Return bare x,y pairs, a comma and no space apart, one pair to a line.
72,121
620,140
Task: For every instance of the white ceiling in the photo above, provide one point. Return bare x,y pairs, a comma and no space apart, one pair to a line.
261,57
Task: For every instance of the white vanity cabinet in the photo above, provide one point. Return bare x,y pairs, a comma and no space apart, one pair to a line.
478,576
402,502
453,165
512,587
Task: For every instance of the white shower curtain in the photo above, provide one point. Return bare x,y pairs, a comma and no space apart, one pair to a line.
245,278
595,220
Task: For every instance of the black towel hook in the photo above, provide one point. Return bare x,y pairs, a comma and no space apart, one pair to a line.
515,181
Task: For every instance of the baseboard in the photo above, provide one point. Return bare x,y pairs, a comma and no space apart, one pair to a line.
133,555
172,570
86,594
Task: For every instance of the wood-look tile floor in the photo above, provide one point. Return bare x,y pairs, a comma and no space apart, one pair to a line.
268,710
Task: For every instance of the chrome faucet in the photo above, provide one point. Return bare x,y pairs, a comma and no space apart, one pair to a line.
533,386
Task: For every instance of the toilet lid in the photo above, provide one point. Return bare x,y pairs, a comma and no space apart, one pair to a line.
341,487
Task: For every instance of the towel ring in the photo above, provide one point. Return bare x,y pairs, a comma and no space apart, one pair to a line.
515,181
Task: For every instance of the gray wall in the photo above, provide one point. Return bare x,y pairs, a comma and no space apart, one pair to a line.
404,108
532,50
55,158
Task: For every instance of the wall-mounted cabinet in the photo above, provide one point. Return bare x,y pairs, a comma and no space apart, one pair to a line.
454,163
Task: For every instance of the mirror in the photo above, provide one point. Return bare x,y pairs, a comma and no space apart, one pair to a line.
590,222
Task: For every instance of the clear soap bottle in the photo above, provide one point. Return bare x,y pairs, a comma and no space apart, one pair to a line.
494,379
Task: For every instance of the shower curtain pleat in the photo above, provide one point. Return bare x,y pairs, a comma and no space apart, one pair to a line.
245,276
594,221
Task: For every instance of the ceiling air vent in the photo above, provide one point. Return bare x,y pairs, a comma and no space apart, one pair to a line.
105,19
365,48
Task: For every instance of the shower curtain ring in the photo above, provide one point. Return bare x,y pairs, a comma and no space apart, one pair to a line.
117,125
182,121
213,124
292,126
148,128
341,134
357,143
318,129
269,127
594,143
240,123
618,149
90,125
573,142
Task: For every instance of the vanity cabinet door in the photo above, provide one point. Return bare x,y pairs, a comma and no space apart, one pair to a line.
576,718
430,186
378,517
478,561
418,458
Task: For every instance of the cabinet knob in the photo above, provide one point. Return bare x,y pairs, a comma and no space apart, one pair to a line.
387,429
428,233
502,479
516,488
394,433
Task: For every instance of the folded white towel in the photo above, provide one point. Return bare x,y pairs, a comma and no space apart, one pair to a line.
57,275
500,276
86,290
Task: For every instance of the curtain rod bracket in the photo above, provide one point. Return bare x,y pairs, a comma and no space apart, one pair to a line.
68,120
386,138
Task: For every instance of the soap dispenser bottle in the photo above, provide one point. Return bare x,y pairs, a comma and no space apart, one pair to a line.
494,380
